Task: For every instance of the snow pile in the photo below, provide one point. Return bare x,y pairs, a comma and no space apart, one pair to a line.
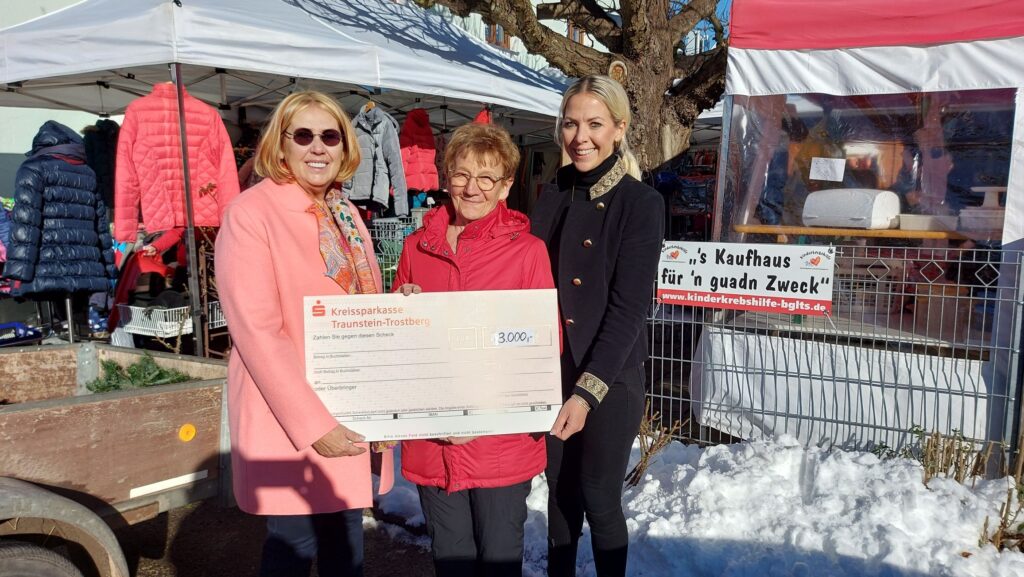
776,508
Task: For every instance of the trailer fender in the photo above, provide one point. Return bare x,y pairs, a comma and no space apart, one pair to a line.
27,509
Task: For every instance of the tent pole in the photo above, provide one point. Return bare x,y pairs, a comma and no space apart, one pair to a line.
223,90
190,230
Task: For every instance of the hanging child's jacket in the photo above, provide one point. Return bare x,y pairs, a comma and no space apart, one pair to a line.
60,235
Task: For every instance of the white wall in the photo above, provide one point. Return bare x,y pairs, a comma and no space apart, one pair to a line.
21,124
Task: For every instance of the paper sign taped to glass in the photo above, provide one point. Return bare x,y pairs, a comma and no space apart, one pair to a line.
432,365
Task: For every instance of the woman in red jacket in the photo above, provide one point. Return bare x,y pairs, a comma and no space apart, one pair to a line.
473,490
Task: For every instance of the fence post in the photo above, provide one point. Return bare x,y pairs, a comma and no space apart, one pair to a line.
1014,375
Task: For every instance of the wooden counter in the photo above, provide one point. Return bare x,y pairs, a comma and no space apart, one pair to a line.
785,231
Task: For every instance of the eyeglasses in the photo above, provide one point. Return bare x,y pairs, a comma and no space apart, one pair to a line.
305,136
483,182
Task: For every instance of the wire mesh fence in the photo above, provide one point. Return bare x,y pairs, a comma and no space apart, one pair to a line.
919,338
388,237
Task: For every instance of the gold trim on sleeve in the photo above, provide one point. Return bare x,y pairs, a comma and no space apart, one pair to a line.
593,385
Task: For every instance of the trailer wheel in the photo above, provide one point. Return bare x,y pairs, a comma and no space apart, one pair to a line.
26,560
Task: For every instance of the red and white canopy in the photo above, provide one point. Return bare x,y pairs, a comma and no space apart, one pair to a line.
874,46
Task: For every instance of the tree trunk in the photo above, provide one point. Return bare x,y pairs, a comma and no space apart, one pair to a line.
675,136
657,133
645,101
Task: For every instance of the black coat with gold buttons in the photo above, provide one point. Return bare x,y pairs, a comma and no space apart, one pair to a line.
604,230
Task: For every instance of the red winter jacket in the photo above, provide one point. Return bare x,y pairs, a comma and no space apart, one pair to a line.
496,252
149,171
417,142
483,117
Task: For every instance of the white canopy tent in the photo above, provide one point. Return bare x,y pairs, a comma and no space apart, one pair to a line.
98,55
707,130
245,55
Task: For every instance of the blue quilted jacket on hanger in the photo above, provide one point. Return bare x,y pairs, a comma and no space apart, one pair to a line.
60,235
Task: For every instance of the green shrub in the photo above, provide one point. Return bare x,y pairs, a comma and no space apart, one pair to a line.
142,373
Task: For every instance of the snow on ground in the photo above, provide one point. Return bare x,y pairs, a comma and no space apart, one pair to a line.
776,508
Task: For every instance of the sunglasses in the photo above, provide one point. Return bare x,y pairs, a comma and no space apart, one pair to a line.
305,136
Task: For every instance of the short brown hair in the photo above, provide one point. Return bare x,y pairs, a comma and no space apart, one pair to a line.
269,163
483,140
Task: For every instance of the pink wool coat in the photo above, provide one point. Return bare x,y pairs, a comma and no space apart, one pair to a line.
149,174
268,259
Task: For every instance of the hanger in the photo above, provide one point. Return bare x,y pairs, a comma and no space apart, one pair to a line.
369,105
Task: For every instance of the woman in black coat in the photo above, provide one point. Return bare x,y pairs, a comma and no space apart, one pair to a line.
604,230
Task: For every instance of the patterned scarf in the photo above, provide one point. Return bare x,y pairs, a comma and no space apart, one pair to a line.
341,245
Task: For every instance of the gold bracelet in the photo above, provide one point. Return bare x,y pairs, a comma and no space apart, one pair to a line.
581,401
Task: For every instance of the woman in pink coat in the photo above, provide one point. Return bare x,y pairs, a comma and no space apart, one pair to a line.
293,235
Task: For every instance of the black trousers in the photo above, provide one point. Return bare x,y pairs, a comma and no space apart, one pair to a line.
585,478
476,532
335,540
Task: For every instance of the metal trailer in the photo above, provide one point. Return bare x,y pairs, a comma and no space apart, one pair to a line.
75,465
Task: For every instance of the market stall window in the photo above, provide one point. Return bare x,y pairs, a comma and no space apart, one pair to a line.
910,190
910,168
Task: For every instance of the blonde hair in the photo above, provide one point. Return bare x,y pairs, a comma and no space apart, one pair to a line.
482,140
612,95
270,151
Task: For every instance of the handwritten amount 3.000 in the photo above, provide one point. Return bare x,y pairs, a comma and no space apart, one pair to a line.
513,338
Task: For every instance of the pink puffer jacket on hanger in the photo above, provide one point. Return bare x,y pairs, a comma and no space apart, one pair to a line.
149,169
417,142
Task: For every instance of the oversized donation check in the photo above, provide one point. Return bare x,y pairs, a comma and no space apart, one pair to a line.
431,365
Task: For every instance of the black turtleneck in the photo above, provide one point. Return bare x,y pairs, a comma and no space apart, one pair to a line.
575,187
569,177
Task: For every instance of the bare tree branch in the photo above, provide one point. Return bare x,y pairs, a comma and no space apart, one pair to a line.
720,39
701,90
687,64
690,15
588,15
